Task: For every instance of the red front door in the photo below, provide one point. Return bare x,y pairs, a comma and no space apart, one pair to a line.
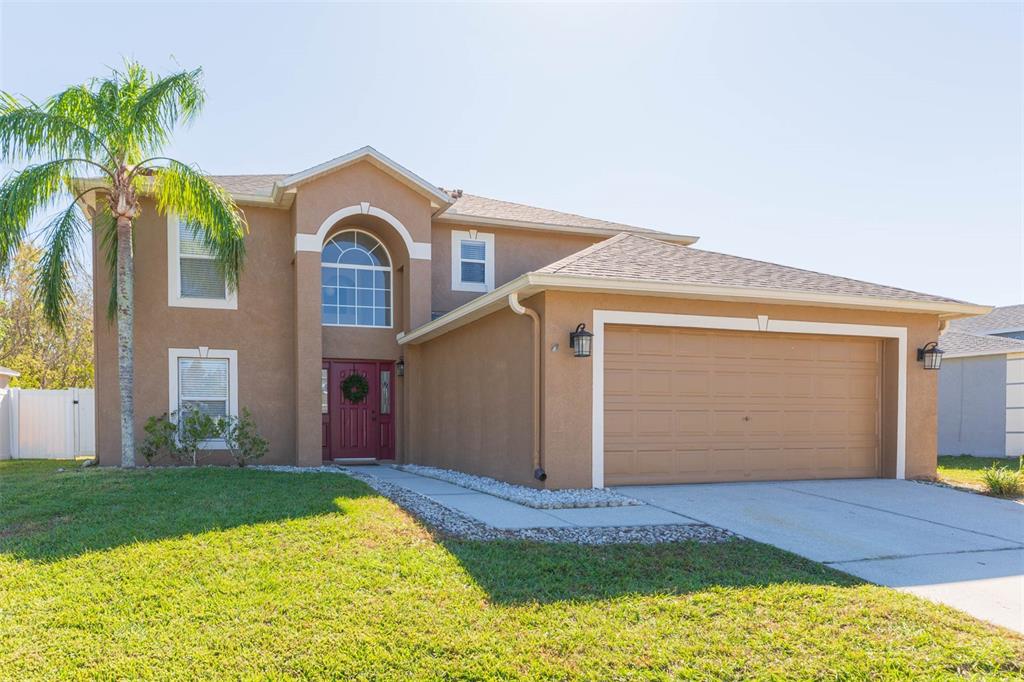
363,427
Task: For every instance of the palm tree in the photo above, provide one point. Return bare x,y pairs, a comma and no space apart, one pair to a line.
105,136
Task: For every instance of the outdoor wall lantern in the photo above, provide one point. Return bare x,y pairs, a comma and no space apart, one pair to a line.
400,367
580,341
930,355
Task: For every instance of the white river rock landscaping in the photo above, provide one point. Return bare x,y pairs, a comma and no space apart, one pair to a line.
457,525
575,498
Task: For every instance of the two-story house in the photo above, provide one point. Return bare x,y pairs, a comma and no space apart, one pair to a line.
458,310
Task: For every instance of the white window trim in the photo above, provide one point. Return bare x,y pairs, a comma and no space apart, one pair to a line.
174,297
173,355
753,324
472,235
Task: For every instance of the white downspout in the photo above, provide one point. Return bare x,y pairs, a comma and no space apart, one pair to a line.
520,309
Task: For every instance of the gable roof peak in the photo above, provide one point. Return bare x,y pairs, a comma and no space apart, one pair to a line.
438,198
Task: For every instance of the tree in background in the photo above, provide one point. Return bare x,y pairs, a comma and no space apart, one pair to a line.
104,138
45,357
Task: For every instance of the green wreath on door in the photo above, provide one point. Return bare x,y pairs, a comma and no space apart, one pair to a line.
355,388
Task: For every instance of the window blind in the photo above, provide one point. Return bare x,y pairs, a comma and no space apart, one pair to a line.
200,276
203,385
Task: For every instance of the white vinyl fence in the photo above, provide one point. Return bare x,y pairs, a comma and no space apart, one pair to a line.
48,424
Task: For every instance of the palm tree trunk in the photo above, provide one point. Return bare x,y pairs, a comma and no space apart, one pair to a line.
125,339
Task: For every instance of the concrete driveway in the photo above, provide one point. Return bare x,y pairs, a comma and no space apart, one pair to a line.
958,548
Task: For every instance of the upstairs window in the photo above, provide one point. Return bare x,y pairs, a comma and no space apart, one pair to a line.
355,281
194,280
472,261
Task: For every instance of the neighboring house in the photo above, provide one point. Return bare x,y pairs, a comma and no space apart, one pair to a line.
981,385
458,309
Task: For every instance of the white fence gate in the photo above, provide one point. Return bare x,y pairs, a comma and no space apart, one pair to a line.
51,424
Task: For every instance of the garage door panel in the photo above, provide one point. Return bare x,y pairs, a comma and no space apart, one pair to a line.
731,347
619,382
654,423
691,345
619,424
618,343
690,423
832,386
691,383
729,384
765,385
653,382
765,424
728,422
799,386
654,344
702,405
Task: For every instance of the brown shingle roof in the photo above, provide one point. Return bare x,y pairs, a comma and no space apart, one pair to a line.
257,185
963,343
482,207
633,257
465,205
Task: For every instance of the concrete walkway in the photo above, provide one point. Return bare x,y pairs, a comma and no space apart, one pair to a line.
499,513
953,547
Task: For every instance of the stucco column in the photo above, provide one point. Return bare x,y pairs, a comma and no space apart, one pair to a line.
419,292
308,359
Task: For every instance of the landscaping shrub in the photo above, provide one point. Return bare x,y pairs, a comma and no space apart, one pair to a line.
241,438
1004,481
159,439
195,428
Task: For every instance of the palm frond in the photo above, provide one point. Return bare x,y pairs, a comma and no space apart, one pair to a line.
186,192
166,103
54,287
83,105
23,195
28,131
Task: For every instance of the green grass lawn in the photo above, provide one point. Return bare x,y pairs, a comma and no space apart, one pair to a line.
218,573
965,471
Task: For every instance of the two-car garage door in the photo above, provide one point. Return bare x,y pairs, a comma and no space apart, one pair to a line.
691,405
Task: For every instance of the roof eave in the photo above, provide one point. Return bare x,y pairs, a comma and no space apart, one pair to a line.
952,355
533,282
460,219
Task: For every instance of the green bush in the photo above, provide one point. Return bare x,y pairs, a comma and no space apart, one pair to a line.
159,439
195,428
241,438
1004,481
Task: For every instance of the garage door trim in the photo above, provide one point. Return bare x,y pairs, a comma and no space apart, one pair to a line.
748,324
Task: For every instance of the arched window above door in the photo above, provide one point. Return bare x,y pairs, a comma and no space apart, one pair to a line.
355,279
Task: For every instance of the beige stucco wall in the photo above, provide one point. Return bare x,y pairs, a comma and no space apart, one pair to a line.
276,328
566,423
469,395
314,203
515,252
260,330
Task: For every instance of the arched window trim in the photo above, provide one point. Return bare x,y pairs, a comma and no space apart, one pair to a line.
378,268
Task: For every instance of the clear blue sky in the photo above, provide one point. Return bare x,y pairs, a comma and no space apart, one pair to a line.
877,141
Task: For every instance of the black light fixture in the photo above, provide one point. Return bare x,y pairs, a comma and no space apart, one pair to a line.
400,367
580,340
930,355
